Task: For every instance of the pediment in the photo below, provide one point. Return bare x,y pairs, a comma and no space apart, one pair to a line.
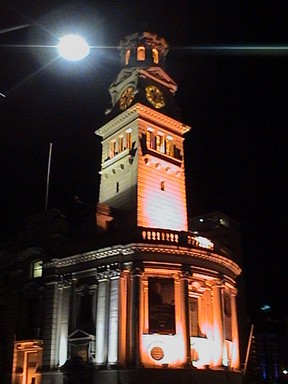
79,334
157,74
131,76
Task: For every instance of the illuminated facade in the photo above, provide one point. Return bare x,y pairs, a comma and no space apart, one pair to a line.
152,301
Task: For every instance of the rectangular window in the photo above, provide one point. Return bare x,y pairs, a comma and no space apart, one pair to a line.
169,146
112,149
148,139
227,316
161,143
161,305
158,143
162,185
37,268
193,316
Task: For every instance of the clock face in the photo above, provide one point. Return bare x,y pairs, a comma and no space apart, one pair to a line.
126,98
155,96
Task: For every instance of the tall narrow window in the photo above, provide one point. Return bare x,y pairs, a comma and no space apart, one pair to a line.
36,269
227,316
121,143
129,138
155,56
158,143
169,146
162,185
112,149
150,138
162,143
85,317
193,316
117,187
141,53
127,57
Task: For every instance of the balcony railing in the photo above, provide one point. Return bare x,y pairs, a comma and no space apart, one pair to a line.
181,238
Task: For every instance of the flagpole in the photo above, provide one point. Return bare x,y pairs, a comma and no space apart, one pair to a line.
48,177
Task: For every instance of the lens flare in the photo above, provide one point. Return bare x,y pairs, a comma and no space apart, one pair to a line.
73,48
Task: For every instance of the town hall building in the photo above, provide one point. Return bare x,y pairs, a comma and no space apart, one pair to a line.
146,299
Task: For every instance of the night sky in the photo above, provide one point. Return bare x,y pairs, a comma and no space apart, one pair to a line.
235,101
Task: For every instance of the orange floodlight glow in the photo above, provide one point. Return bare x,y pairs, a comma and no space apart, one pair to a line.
162,207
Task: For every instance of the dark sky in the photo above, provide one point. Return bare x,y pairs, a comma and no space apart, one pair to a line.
236,153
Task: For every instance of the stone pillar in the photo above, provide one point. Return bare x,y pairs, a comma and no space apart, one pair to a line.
235,353
185,314
123,316
50,331
102,320
217,325
63,322
134,321
113,332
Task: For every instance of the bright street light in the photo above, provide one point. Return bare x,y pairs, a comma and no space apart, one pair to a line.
73,48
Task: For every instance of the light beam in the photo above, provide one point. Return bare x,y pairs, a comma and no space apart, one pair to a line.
266,50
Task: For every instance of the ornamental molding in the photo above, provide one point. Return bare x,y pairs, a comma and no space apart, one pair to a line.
139,110
83,258
130,249
108,274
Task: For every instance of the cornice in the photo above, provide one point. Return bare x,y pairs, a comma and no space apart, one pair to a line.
141,111
133,248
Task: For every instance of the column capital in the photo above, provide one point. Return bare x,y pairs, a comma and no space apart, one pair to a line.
64,281
108,272
185,273
137,269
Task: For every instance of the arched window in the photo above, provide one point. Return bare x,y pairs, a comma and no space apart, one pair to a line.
141,53
155,56
127,57
36,268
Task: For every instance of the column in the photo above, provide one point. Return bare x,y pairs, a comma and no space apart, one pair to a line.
217,325
113,332
63,323
50,357
102,320
134,321
123,316
235,357
184,279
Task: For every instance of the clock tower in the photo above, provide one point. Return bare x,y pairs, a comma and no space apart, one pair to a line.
144,300
142,170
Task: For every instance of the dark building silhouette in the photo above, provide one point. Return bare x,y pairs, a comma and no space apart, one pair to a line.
268,356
